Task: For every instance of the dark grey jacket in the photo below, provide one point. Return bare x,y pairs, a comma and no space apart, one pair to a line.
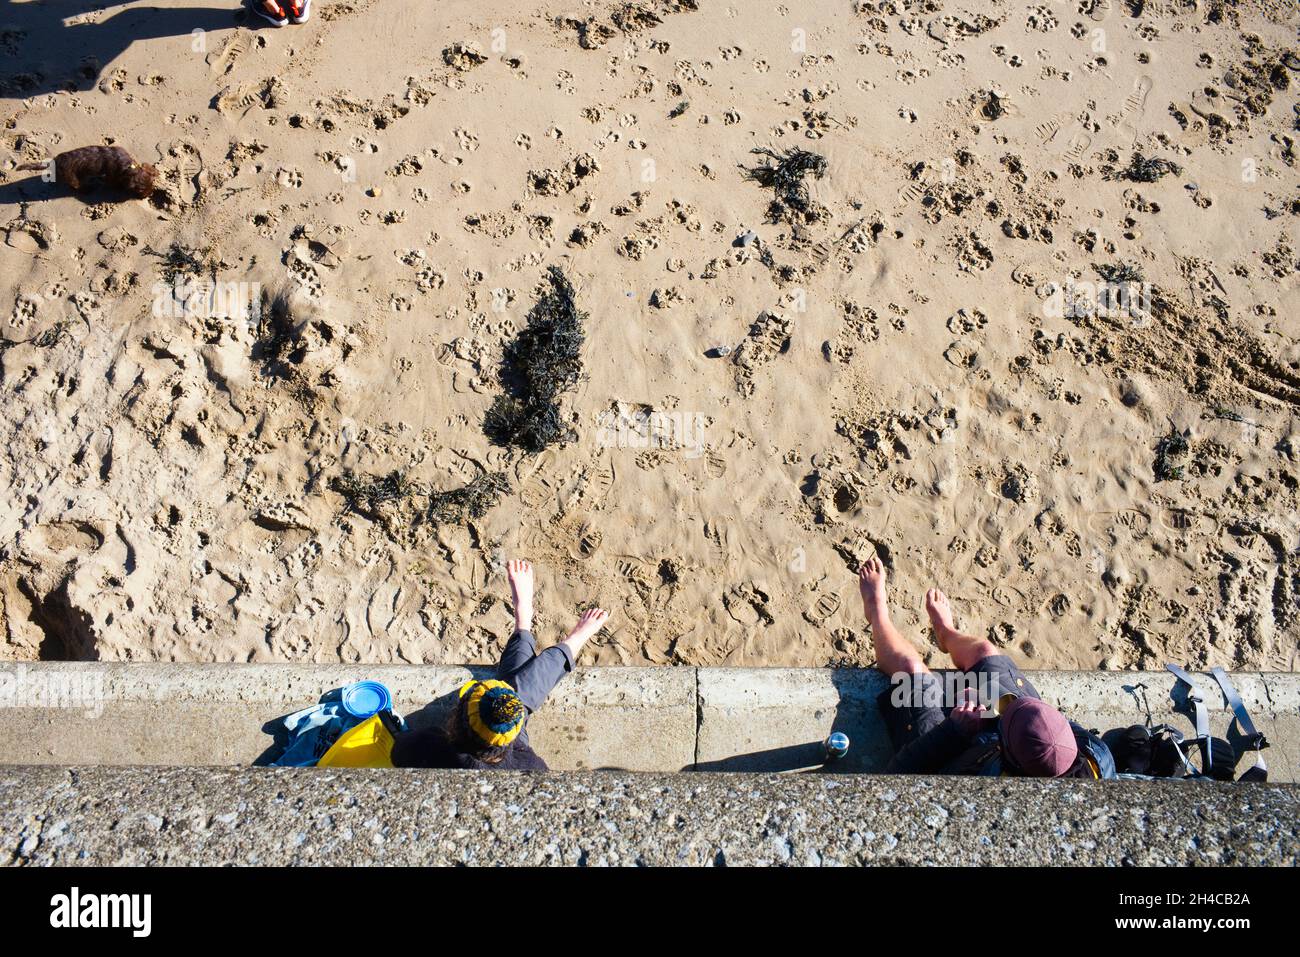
532,676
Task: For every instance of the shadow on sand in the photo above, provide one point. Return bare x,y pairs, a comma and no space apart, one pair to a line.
41,52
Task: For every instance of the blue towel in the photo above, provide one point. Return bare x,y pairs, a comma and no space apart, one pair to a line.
306,735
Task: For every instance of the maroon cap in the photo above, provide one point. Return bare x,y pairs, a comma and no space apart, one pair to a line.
1038,738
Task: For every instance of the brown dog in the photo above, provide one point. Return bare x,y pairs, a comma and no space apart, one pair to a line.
111,164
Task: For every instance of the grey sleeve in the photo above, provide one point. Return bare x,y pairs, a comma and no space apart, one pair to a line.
534,676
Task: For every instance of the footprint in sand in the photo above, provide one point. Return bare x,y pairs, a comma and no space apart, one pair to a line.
1137,99
29,235
236,99
589,543
586,539
459,462
651,459
536,492
60,537
1046,131
446,355
25,311
236,45
718,545
911,193
715,466
531,465
633,569
242,98
1134,520
1077,147
115,82
596,482
1007,597
534,540
1178,520
1058,605
1134,104
188,163
825,606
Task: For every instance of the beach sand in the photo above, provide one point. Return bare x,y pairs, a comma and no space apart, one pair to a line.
919,359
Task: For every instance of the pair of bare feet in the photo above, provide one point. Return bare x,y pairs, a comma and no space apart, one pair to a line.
520,573
896,654
875,602
871,583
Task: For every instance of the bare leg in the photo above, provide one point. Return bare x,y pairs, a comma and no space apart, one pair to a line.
592,620
520,574
894,653
965,649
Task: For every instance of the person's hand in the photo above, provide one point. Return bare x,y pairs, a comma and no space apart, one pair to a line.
965,717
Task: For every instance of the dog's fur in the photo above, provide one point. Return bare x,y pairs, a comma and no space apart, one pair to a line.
111,164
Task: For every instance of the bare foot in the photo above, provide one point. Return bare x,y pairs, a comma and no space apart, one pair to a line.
592,620
871,583
520,574
940,612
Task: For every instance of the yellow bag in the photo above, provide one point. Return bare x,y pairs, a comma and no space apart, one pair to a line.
368,745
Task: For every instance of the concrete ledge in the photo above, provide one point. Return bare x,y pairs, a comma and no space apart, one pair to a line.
641,719
185,816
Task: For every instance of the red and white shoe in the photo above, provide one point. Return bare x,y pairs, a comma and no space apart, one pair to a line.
273,11
299,10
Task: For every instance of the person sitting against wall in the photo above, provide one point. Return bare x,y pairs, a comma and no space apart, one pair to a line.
488,728
1025,737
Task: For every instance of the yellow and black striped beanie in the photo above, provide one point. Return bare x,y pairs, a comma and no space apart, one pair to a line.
494,712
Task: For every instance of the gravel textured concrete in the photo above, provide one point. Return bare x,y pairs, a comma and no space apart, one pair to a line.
113,816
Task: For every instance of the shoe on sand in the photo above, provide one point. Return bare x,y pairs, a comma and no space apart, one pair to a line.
271,10
299,10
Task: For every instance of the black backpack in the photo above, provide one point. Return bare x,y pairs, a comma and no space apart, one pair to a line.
1162,751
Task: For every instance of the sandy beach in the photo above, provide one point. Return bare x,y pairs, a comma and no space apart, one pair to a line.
1005,293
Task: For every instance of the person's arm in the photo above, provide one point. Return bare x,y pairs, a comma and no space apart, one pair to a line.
427,748
930,753
935,750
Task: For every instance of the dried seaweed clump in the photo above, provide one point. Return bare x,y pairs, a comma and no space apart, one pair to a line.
368,493
1172,446
786,175
180,261
543,362
1142,169
277,329
1120,273
470,501
394,498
